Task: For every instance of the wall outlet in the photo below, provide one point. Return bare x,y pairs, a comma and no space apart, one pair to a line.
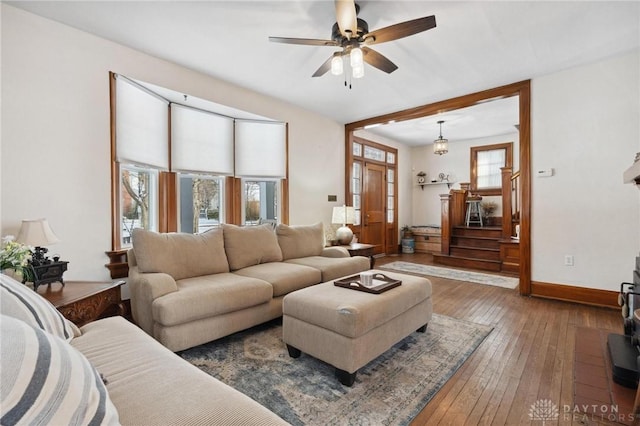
568,260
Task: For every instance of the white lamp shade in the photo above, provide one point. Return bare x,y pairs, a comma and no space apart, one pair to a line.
36,233
343,215
336,65
440,146
356,57
358,72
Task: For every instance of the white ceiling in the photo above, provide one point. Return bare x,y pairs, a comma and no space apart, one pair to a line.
476,45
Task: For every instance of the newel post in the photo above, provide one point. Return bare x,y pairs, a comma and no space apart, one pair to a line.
506,202
445,225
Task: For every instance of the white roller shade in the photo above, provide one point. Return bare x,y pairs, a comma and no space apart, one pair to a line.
141,126
261,149
201,142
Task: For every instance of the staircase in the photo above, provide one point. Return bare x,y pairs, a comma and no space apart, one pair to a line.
473,247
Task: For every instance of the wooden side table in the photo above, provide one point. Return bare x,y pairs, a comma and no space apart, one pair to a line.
359,249
84,301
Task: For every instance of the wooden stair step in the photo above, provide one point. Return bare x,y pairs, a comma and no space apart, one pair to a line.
475,252
465,262
477,231
484,242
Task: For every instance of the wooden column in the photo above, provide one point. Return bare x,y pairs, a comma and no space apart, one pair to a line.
445,225
506,202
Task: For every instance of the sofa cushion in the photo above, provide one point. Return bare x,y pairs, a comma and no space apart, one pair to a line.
180,255
284,277
334,267
150,385
47,381
19,301
301,240
210,295
250,245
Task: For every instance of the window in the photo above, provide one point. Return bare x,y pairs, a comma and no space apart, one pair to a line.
200,202
180,168
356,190
486,162
260,200
138,202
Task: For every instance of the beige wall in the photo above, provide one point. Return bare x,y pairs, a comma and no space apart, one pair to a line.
586,125
55,135
54,152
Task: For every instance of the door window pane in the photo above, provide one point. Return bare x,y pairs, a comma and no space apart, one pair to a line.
373,153
391,158
357,149
138,200
200,202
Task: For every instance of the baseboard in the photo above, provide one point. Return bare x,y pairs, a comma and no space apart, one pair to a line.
568,293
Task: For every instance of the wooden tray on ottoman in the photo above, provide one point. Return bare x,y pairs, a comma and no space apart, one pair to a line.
381,283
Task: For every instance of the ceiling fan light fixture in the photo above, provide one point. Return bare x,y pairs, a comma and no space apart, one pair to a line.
336,65
357,60
357,72
440,145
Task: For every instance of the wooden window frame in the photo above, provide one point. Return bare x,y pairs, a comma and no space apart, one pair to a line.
168,194
473,161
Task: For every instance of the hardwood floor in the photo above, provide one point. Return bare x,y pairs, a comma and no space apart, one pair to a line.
529,356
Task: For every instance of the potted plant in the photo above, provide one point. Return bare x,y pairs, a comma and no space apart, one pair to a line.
488,207
406,232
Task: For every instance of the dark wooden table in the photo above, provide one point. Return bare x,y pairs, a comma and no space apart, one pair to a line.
359,249
84,301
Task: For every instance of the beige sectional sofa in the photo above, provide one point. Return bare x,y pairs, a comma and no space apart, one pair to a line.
190,289
108,372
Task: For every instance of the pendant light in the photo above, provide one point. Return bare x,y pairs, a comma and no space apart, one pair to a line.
440,145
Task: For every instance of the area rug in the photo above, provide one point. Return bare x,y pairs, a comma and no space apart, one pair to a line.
452,274
390,390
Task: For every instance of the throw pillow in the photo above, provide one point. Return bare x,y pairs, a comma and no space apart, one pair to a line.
19,301
180,255
47,381
250,245
300,241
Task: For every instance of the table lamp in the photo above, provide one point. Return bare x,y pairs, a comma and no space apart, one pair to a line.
37,233
343,215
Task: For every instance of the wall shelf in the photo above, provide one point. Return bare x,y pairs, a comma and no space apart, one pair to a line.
448,183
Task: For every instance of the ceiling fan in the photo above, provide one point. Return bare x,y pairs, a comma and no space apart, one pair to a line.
352,35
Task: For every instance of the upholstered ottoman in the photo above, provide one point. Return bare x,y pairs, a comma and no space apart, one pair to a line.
348,328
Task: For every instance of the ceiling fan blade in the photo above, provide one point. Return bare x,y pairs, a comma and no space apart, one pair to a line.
304,41
378,60
323,68
346,17
403,29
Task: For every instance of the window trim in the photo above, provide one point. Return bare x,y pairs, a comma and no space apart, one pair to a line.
473,161
168,192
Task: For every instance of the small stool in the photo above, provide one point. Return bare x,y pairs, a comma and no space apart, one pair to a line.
474,211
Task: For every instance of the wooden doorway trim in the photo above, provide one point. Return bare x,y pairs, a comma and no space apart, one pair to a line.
521,89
